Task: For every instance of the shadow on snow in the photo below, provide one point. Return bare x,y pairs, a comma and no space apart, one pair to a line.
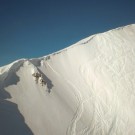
11,120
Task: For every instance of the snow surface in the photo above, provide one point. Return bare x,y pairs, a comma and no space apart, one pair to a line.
90,89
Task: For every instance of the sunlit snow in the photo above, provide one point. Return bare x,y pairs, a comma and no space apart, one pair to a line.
89,89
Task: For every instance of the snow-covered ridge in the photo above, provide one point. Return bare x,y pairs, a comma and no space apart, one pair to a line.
85,89
130,27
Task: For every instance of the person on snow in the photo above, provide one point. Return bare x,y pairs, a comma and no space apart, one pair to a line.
42,81
36,75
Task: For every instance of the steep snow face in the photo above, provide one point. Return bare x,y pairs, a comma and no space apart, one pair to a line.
89,89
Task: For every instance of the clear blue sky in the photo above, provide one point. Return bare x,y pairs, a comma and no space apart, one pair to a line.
34,28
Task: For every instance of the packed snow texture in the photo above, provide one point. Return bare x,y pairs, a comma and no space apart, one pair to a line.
89,89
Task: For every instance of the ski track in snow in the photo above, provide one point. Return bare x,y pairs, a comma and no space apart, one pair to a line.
80,109
103,101
77,93
71,130
78,113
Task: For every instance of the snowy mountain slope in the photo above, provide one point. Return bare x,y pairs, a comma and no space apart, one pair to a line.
89,90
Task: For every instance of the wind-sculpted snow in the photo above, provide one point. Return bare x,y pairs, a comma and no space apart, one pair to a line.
89,89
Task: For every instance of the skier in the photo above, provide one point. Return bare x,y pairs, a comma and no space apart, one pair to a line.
42,81
36,75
